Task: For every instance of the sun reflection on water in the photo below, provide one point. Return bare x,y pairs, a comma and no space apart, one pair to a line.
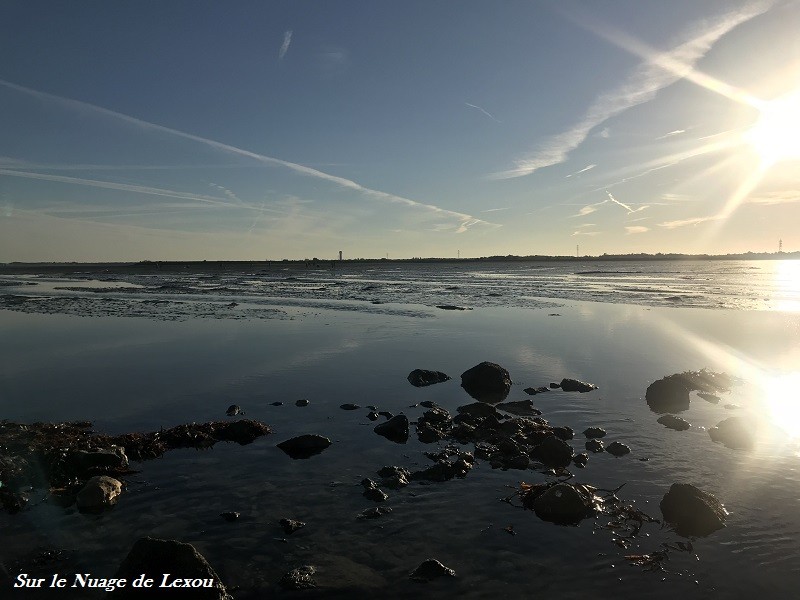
787,286
782,401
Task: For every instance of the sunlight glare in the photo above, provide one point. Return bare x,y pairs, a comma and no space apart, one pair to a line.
787,286
776,134
782,402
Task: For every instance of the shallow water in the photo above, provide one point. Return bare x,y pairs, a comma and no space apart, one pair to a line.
141,374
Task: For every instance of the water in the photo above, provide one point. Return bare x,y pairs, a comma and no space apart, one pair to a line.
189,362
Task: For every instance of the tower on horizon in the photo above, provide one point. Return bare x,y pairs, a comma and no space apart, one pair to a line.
340,255
780,246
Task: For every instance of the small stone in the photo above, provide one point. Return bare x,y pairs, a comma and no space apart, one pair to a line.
395,429
594,432
431,569
554,386
304,446
290,525
372,416
580,460
674,422
617,449
573,385
279,403
233,410
302,402
99,493
733,432
230,516
553,452
692,511
374,512
349,406
422,377
594,446
300,578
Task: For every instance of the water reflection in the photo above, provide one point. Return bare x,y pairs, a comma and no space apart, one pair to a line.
781,401
787,285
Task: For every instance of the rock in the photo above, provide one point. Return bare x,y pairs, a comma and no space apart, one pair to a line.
617,449
732,407
580,460
279,403
671,393
428,404
304,446
486,381
733,432
233,410
436,416
349,406
302,402
554,386
154,558
573,385
712,398
230,516
533,391
394,477
431,569
428,434
595,446
553,452
374,513
443,470
564,433
372,416
520,407
395,429
290,525
451,307
386,414
300,578
478,409
594,432
563,503
422,377
99,493
106,459
692,511
674,422
243,431
373,492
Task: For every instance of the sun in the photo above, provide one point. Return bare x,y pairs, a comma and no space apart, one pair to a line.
775,136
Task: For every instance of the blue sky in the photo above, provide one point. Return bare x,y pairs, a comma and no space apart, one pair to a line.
255,130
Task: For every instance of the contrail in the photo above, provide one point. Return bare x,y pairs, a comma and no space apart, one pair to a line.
287,39
484,111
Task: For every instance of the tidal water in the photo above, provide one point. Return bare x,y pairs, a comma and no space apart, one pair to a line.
150,350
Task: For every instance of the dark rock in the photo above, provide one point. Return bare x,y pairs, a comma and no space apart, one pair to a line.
554,386
712,398
386,414
563,503
349,406
732,406
443,470
573,385
595,446
436,416
486,381
373,492
154,557
617,449
372,416
372,408
733,432
422,378
103,459
478,409
518,461
290,525
580,460
564,433
520,407
451,307
233,410
394,477
302,402
428,404
243,431
674,422
374,512
671,393
99,493
553,452
428,434
304,446
395,429
431,569
279,403
594,432
533,391
230,516
692,511
300,578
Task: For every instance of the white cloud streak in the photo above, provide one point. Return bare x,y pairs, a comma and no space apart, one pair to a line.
287,39
484,111
466,221
659,70
636,229
671,134
583,170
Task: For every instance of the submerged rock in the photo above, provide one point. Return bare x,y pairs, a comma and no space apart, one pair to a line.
618,449
395,429
372,416
533,391
349,406
301,578
519,407
291,525
155,557
565,433
486,381
574,385
302,402
564,503
692,511
230,516
99,493
478,409
712,398
674,422
733,432
553,452
431,569
374,513
594,432
304,446
422,377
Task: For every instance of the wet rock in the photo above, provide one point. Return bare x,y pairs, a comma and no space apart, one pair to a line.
674,422
595,446
436,416
243,432
279,403
372,416
533,391
394,477
428,434
486,381
573,385
692,511
291,525
230,516
733,432
374,512
554,386
617,449
99,493
564,433
520,407
428,404
451,307
233,410
732,407
102,459
671,393
422,377
305,446
553,452
349,406
302,402
712,398
518,461
431,569
580,460
478,409
444,470
301,578
386,414
395,429
154,557
594,432
563,503
373,492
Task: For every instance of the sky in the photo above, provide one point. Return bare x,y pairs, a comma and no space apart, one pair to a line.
246,130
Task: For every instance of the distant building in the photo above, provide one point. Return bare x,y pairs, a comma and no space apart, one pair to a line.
340,255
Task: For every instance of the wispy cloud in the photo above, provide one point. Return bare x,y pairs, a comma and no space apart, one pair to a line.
579,232
671,134
484,111
583,170
625,206
631,229
495,209
604,133
590,208
687,222
465,221
780,197
287,39
659,70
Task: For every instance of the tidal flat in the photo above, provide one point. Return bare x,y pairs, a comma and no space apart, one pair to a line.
126,373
